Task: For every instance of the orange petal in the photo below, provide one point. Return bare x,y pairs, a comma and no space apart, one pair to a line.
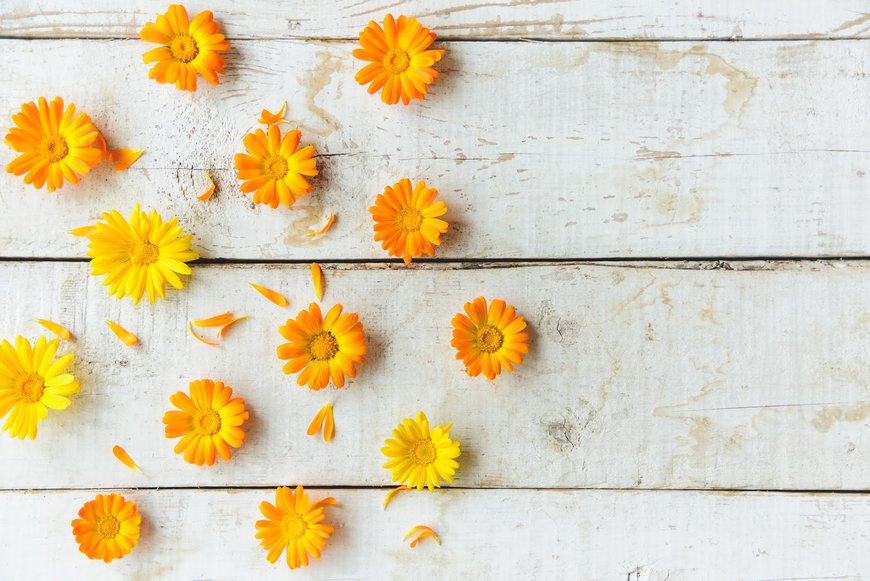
56,328
223,328
201,339
100,142
267,118
389,497
83,231
121,159
328,424
317,277
273,296
125,459
327,500
209,191
128,338
317,422
216,321
421,532
329,222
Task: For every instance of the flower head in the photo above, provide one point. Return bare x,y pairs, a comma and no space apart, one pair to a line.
107,527
406,220
273,169
294,524
31,382
419,456
488,339
399,63
140,256
323,348
55,144
209,421
188,47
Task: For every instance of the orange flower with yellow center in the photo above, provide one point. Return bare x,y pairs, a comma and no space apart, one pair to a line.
406,220
54,143
188,47
488,340
107,527
209,422
295,524
273,169
400,65
323,348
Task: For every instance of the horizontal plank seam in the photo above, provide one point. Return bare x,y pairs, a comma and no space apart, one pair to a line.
714,491
503,39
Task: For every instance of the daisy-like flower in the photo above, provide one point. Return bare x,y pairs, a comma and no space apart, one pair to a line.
188,47
406,220
294,524
400,65
487,340
273,169
107,527
419,456
140,256
209,422
54,143
323,348
31,382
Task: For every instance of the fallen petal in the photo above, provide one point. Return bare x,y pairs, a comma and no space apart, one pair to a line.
121,159
273,296
267,118
125,459
327,226
215,321
389,497
317,277
56,328
209,191
223,328
201,339
128,338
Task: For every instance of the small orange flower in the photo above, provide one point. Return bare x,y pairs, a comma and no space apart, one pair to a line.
406,221
189,47
399,61
295,524
273,169
487,340
107,527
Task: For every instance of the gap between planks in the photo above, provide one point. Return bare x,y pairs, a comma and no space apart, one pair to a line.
707,491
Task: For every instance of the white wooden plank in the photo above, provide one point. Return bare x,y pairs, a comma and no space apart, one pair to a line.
550,19
637,377
623,150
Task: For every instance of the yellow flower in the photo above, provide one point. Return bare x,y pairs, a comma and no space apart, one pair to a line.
209,421
323,348
31,381
188,47
139,256
487,340
54,143
294,524
399,61
273,169
406,221
108,527
419,456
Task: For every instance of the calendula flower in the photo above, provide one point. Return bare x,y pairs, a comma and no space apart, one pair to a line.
209,422
419,456
400,65
107,527
295,524
406,220
55,144
273,169
488,339
188,47
140,256
323,348
31,382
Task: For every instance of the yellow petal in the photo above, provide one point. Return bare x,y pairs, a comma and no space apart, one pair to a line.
121,159
317,422
421,532
317,277
209,191
267,118
327,226
128,338
125,459
201,339
83,231
273,296
57,329
223,328
215,321
328,424
389,497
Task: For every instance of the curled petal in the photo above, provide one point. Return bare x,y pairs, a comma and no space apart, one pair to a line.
201,339
389,496
215,321
329,221
268,118
273,296
317,277
234,320
209,191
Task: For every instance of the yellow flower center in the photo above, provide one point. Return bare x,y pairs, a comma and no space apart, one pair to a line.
323,346
108,526
424,452
207,422
183,48
397,61
54,147
410,219
489,339
294,526
30,387
276,167
145,253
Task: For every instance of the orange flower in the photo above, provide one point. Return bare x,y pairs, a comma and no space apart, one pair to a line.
487,340
273,169
295,524
108,527
406,221
189,47
399,61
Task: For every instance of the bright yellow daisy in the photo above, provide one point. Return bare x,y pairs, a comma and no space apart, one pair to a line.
406,220
488,339
140,256
399,63
54,143
419,456
295,524
273,169
210,421
188,47
31,382
107,527
323,348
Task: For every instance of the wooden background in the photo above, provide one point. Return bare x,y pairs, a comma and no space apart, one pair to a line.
673,194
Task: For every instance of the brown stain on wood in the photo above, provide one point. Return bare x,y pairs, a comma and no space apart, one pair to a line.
830,415
315,81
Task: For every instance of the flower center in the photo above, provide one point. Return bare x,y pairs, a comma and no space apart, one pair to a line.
183,48
397,61
294,526
489,339
31,387
276,167
410,219
55,148
145,253
323,346
424,452
108,526
207,422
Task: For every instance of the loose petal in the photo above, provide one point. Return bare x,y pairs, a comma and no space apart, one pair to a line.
216,321
121,159
327,226
328,424
128,338
56,328
201,339
83,230
125,459
317,277
223,328
209,191
273,296
389,496
419,533
317,422
267,118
